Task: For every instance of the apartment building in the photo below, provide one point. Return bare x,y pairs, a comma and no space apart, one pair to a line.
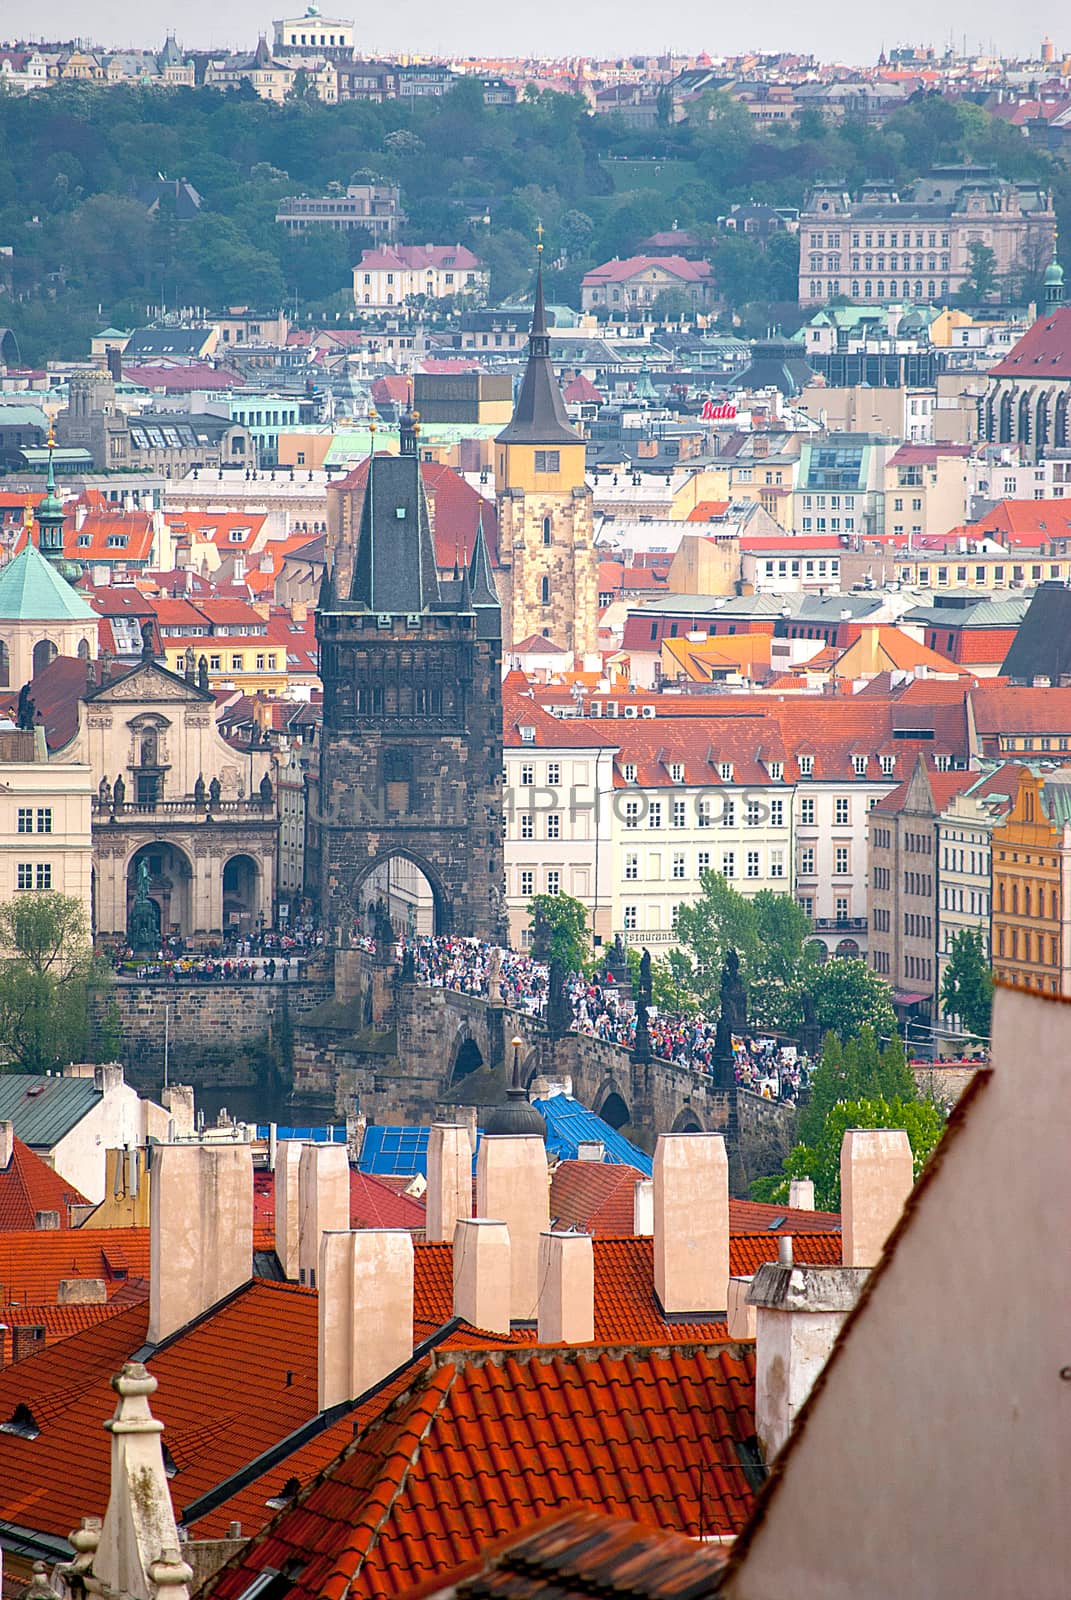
45,821
1031,906
840,485
391,275
373,207
926,487
964,861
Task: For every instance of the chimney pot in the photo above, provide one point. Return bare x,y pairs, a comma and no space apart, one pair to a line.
876,1177
287,1205
784,1250
512,1185
449,1191
801,1194
566,1289
691,1224
323,1202
741,1314
365,1313
643,1207
482,1279
7,1143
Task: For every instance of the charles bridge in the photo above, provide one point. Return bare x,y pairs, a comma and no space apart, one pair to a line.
404,1052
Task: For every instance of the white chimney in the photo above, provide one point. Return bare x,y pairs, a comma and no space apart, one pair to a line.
7,1143
643,1207
365,1324
801,1194
876,1177
200,1230
512,1186
449,1192
482,1282
799,1311
287,1205
177,1098
566,1289
691,1224
323,1202
741,1314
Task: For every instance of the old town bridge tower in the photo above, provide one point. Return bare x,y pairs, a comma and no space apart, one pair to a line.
410,797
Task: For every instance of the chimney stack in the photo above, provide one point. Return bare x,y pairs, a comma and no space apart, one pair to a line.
287,1205
449,1193
876,1177
691,1224
482,1282
643,1207
178,1101
566,1289
200,1230
801,1194
365,1324
323,1202
7,1143
512,1186
799,1311
740,1315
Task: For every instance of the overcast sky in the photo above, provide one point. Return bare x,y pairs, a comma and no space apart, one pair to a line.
561,27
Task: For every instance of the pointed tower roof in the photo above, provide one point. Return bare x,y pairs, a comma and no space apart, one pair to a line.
394,572
31,590
539,416
481,584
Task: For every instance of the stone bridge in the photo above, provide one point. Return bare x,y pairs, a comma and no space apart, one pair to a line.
408,1053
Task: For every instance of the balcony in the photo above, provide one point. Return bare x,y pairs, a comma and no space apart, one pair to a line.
190,808
840,925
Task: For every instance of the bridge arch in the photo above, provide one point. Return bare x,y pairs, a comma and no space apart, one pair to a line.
687,1120
466,1056
613,1108
403,881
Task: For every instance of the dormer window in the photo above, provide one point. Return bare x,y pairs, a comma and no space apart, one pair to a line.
527,733
887,764
777,771
629,771
725,771
859,766
806,766
676,771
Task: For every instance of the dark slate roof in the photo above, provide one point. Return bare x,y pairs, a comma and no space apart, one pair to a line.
482,591
395,571
1042,644
539,416
43,1109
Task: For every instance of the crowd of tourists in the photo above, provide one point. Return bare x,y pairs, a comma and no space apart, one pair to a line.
604,1010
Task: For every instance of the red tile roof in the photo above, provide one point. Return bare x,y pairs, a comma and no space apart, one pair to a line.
1043,352
580,390
483,1444
29,1185
415,257
32,1264
373,1203
621,271
56,1322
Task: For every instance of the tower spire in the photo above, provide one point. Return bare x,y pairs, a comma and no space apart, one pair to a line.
539,416
50,516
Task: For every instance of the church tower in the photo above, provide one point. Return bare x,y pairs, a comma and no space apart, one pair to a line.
411,750
546,541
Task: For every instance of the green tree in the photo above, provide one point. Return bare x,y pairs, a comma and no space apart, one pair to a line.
967,985
981,281
574,234
567,920
921,1121
769,933
847,996
43,979
855,1070
671,990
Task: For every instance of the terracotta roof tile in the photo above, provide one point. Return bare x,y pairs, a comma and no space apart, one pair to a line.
478,1449
32,1264
29,1185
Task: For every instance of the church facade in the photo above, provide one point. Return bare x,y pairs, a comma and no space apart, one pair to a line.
411,749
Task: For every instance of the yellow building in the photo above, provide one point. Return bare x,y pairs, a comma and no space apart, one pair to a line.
1031,899
548,576
45,821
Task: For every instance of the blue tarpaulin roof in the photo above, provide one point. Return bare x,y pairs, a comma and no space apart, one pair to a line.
331,1134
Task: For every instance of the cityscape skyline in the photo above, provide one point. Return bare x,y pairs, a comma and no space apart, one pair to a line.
476,30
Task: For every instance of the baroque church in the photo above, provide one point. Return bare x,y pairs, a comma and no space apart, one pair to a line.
411,750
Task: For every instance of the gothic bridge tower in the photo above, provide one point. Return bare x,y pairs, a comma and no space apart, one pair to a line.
410,799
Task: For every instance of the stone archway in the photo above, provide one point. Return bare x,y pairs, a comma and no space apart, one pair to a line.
170,886
687,1121
409,889
613,1110
241,894
468,1057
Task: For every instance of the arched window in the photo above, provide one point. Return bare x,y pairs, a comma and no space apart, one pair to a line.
5,666
1005,424
544,590
547,530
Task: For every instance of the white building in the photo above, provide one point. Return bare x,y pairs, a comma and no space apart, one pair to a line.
313,33
45,821
393,275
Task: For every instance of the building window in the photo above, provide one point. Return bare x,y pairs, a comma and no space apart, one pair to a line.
840,811
753,813
554,881
728,864
236,663
547,530
677,869
527,884
654,814
777,863
632,814
806,766
807,861
24,879
554,825
728,814
629,919
527,825
25,819
680,813
632,867
753,863
548,460
840,859
807,811
777,813
527,775
554,774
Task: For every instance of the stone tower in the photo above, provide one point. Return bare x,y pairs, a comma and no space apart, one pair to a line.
411,755
548,567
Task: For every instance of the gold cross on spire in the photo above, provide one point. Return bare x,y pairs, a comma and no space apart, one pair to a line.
51,433
540,230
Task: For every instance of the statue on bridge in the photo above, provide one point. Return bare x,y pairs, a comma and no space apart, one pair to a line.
215,793
641,1045
143,929
617,962
408,968
494,977
118,793
645,977
559,1014
540,936
732,1019
384,930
